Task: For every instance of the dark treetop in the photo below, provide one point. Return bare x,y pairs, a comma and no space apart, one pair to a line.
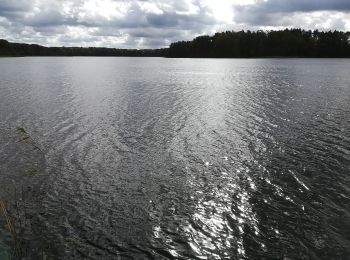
286,43
230,44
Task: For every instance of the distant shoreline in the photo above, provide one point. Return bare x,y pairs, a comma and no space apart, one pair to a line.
196,58
288,43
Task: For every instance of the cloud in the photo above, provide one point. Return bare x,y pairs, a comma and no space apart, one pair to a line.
156,23
150,23
277,12
9,6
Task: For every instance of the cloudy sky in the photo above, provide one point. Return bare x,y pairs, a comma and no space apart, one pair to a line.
157,23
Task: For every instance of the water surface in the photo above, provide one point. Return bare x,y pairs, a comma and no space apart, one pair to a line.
152,158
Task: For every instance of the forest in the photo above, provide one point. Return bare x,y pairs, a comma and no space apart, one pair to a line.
8,49
247,44
229,44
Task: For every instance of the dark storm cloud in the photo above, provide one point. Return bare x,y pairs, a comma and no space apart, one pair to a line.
268,12
8,6
47,19
186,21
14,8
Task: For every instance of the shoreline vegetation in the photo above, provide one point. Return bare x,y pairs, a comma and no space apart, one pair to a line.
16,212
288,43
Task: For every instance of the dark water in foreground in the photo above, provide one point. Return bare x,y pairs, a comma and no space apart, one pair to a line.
150,158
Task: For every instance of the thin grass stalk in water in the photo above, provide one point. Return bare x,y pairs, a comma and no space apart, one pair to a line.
10,228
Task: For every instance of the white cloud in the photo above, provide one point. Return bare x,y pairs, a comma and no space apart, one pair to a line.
156,23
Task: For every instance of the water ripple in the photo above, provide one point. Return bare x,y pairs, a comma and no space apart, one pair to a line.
177,159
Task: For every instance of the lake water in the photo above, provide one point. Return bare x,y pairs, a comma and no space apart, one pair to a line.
152,158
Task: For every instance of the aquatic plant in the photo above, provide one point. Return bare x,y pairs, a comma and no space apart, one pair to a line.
21,130
11,230
24,137
78,245
14,211
5,254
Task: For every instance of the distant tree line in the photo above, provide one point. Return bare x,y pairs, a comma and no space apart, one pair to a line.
21,49
283,43
230,44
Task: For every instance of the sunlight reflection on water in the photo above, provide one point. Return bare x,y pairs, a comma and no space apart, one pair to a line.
206,159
